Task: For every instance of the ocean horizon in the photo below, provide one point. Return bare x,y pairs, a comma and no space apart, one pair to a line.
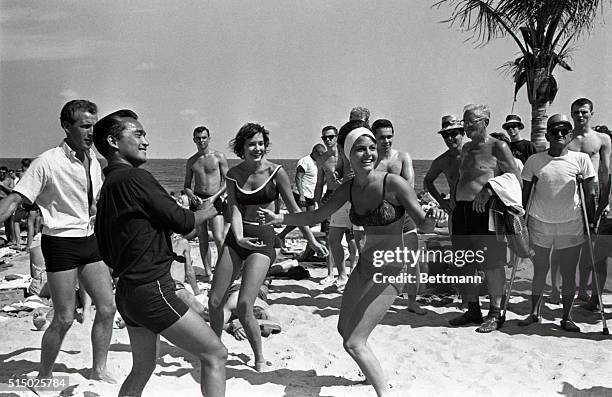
171,172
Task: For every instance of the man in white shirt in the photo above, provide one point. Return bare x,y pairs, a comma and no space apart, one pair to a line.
306,173
65,182
556,224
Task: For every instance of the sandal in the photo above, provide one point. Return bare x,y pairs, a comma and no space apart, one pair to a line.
569,326
530,319
490,324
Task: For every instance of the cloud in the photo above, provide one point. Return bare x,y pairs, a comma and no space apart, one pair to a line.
145,66
69,94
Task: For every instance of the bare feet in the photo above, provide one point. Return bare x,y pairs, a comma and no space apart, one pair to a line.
263,366
414,307
103,376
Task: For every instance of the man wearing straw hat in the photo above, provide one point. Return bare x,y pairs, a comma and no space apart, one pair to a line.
448,162
520,148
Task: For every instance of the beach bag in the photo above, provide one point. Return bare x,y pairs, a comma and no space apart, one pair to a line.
512,227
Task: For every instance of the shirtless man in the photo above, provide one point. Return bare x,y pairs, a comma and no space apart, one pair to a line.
481,160
339,223
597,145
209,167
447,163
399,163
182,272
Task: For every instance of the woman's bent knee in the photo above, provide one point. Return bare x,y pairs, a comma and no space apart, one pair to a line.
354,347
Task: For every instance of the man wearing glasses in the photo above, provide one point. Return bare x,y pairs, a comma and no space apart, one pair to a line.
447,163
208,167
339,223
482,159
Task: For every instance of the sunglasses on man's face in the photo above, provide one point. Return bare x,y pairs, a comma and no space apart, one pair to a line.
328,137
449,134
556,131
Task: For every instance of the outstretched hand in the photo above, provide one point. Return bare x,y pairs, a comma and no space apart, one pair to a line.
269,216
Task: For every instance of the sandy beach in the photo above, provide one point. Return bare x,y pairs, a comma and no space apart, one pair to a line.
422,355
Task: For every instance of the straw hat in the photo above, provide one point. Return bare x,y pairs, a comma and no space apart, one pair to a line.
451,122
513,119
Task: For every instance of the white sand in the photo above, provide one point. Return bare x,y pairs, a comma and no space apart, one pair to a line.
422,355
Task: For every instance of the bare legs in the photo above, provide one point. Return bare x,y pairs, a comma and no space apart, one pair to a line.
95,278
255,268
364,304
190,333
218,236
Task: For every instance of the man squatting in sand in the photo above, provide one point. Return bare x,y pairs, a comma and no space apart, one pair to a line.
481,160
65,182
399,163
136,217
208,167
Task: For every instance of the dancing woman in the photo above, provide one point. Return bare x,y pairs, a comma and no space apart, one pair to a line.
379,200
253,184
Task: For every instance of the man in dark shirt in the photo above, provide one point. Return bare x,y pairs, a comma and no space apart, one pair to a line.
135,219
520,148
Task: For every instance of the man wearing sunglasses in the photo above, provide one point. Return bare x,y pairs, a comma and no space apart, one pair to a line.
447,163
556,227
520,148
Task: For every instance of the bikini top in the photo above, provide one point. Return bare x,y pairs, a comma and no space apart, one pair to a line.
264,194
384,214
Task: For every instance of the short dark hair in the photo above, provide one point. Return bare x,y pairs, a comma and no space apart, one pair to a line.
319,149
348,127
71,108
26,162
4,168
382,123
248,131
199,129
329,127
110,125
581,102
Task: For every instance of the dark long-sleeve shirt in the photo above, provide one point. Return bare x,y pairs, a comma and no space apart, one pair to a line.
134,222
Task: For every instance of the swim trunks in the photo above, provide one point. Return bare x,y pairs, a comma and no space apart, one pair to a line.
153,305
219,204
66,253
471,235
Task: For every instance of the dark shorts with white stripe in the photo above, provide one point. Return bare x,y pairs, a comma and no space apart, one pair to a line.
153,305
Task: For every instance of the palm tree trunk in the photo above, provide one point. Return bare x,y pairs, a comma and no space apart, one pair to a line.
538,125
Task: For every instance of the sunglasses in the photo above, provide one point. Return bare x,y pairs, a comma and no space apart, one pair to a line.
467,123
562,131
449,134
328,137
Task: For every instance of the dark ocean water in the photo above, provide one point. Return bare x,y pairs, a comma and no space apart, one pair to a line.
171,172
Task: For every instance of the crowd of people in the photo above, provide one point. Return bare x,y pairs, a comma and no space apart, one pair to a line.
123,238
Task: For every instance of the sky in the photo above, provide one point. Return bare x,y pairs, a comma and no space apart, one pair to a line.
293,66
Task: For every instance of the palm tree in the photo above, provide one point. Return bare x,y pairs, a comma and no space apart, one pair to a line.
542,29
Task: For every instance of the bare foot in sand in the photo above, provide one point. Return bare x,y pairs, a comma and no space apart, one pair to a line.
414,307
103,376
263,366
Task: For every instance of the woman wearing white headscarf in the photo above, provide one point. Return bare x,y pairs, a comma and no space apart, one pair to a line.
379,201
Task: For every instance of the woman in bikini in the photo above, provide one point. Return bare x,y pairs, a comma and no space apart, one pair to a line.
253,184
379,200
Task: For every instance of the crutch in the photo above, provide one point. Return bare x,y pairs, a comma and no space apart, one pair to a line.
515,258
580,180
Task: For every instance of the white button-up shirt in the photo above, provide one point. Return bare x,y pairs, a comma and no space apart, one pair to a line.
57,182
